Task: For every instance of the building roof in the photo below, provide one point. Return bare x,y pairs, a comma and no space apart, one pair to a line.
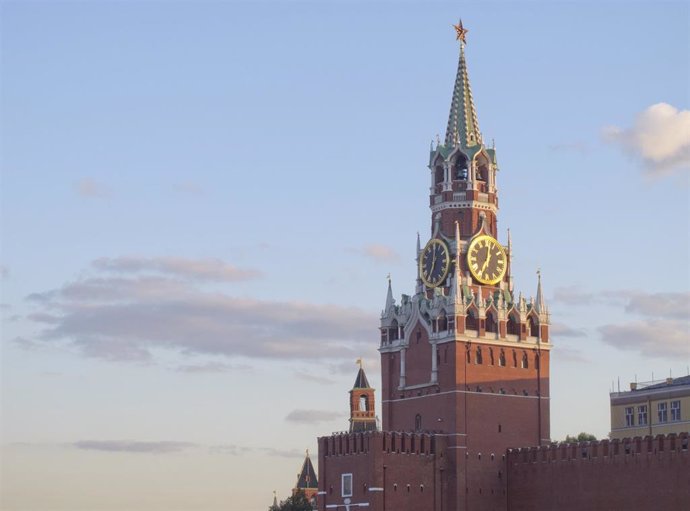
361,382
307,477
670,382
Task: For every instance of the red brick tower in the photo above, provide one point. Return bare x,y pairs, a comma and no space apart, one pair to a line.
362,404
464,361
464,356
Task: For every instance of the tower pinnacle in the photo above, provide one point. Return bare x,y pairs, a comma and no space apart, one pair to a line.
463,127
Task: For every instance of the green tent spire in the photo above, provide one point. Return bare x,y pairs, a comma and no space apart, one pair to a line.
463,127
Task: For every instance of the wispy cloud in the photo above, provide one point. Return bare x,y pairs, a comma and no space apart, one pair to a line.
127,316
211,367
132,446
91,189
652,338
282,453
312,416
314,378
561,330
377,252
660,137
200,269
663,305
663,330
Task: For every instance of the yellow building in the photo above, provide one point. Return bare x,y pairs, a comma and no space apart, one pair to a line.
653,408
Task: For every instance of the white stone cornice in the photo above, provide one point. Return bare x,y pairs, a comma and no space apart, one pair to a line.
464,205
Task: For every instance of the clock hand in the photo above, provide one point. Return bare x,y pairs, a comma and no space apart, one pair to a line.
486,261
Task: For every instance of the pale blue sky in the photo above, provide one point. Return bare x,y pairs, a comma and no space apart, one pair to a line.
262,167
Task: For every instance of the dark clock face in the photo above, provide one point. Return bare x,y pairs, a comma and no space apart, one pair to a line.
434,263
486,260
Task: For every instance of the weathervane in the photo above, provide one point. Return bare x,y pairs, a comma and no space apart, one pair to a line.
460,32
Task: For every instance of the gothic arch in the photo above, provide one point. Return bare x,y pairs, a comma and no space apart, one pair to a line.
513,324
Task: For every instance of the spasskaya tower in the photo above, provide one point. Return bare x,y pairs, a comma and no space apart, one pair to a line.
464,360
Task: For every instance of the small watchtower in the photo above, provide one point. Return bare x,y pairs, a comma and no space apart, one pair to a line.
362,404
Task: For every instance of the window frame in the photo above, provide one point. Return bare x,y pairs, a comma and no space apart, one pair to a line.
642,415
343,478
629,416
675,411
662,412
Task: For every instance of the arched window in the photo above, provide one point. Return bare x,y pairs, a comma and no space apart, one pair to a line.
363,403
418,422
438,174
502,358
469,357
491,356
525,362
491,325
460,168
478,356
442,322
513,325
533,327
514,359
393,331
471,322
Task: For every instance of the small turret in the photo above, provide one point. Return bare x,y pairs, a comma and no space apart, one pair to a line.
540,304
362,404
306,481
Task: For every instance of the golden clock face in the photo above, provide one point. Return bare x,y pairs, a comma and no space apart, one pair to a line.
434,263
486,260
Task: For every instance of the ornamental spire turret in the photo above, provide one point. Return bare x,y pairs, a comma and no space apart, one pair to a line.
540,304
390,301
463,127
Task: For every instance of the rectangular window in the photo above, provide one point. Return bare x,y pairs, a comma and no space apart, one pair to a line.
630,416
675,410
663,412
347,485
642,415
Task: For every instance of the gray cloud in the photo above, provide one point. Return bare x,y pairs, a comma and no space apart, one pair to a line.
200,269
124,318
132,446
282,453
652,338
377,252
313,377
572,295
663,327
663,305
660,137
211,367
561,330
229,449
663,331
312,416
91,189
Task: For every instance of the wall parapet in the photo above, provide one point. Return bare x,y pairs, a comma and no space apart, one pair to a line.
402,442
668,445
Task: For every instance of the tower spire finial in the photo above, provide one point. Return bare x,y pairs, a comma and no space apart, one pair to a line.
539,303
463,127
460,31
